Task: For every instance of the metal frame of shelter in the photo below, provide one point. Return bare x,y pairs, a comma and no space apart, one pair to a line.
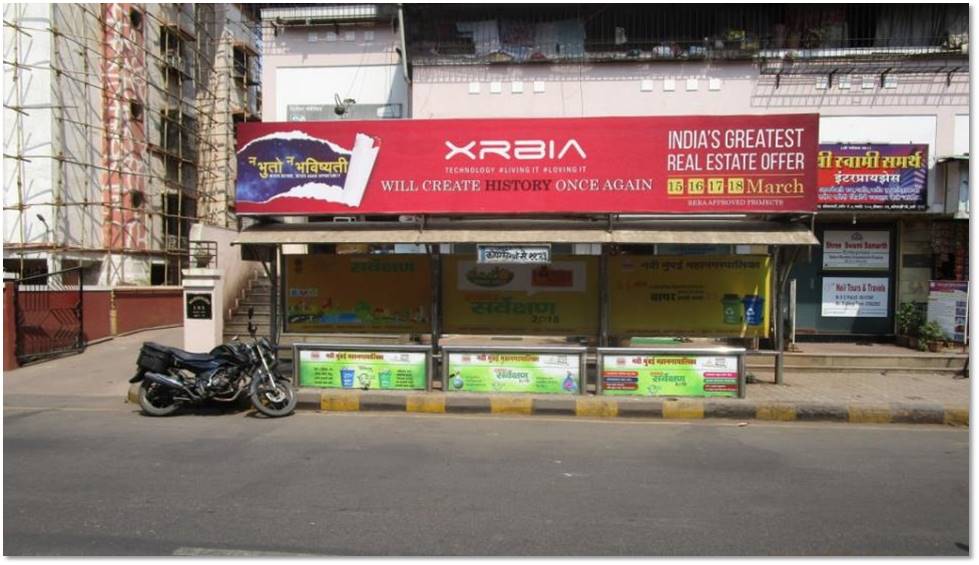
786,239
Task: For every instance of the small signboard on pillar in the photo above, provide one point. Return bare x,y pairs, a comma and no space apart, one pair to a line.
199,306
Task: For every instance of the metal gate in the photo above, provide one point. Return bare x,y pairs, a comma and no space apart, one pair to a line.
48,311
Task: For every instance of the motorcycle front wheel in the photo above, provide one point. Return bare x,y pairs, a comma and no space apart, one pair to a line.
156,399
273,401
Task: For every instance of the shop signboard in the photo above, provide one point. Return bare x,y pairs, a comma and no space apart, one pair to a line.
514,254
948,304
873,177
352,293
710,295
344,367
524,371
686,164
560,298
855,297
855,250
670,374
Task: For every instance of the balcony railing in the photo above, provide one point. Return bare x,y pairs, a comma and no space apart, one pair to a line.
454,34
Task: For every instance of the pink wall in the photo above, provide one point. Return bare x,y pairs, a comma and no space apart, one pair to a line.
9,328
142,308
136,309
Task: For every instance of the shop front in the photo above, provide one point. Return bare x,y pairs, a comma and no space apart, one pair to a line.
636,256
873,204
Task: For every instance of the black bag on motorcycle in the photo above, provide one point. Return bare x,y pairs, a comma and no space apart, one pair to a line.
155,358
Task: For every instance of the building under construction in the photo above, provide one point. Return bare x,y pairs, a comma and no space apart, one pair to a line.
119,133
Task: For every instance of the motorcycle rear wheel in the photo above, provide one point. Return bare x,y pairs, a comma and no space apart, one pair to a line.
156,400
273,402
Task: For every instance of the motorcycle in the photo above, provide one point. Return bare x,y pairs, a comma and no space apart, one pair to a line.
171,377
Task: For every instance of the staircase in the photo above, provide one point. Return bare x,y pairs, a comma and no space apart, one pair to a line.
850,363
256,296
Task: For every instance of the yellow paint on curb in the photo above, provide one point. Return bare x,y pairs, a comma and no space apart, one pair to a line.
775,412
956,417
597,407
511,405
331,402
428,404
683,410
869,415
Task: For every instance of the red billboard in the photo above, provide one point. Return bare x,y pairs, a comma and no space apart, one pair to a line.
682,164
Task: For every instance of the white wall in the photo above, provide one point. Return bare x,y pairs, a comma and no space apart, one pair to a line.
961,143
312,50
378,84
29,133
643,89
235,273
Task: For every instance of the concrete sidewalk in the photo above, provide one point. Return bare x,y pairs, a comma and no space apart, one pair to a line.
100,375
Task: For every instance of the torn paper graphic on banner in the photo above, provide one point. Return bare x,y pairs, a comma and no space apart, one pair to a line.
297,165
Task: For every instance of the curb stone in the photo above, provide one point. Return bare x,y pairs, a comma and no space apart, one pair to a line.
591,406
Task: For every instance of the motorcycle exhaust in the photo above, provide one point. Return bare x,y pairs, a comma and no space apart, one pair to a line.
168,381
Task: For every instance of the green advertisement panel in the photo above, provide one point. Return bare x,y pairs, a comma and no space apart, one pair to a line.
514,372
670,375
382,370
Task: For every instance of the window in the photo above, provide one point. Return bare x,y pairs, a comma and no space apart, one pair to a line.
136,19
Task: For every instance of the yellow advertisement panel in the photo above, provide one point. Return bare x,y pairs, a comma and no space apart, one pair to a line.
358,293
560,298
712,295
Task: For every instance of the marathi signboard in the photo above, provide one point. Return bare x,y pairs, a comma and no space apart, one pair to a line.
685,164
873,177
711,295
514,371
514,254
853,297
670,375
948,304
560,298
353,293
361,369
854,250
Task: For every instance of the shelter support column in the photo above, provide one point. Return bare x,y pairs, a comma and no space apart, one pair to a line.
436,311
779,299
603,297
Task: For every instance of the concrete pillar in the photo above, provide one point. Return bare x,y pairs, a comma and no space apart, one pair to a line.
203,307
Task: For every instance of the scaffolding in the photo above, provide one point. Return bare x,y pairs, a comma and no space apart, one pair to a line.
140,119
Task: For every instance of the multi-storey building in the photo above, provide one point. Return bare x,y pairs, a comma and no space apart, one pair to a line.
119,133
881,78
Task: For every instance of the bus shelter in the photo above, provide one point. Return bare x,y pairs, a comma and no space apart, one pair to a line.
486,276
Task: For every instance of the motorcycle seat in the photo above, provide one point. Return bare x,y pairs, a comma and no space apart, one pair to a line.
187,356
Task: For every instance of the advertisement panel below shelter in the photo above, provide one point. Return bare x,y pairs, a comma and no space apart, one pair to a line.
550,373
670,375
366,370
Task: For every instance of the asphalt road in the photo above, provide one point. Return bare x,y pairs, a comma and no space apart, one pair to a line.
107,481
